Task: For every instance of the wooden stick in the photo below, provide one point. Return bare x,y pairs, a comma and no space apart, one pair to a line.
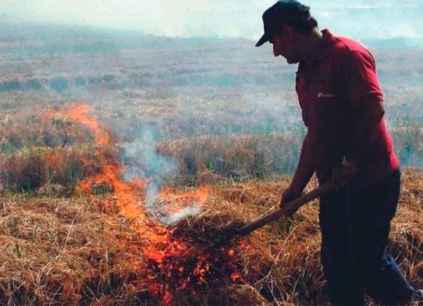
289,206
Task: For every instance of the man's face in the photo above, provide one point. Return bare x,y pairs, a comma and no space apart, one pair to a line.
284,44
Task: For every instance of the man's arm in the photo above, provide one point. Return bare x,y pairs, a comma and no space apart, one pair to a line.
366,99
303,173
368,119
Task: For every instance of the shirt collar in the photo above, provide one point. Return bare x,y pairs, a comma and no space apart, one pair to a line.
323,52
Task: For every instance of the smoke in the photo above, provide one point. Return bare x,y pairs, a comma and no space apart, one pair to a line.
163,17
142,161
221,18
170,219
372,19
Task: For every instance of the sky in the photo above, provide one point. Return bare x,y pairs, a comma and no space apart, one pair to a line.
221,18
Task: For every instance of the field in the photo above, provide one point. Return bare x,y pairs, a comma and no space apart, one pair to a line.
108,138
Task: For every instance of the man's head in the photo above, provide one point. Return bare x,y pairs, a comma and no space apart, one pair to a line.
285,23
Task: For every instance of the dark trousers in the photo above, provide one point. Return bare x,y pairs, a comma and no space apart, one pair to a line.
355,226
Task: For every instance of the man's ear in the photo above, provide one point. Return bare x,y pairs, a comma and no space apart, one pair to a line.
288,31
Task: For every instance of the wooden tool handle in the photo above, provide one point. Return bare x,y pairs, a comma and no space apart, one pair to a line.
289,206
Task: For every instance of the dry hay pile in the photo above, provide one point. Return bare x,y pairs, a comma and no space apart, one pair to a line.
210,228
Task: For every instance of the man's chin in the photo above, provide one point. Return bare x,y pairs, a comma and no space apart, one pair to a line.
292,60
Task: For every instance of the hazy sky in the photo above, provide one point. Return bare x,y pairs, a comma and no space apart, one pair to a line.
225,18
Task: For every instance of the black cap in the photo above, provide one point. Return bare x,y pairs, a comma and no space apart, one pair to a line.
289,12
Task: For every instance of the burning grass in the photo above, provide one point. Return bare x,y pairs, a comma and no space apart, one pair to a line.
196,261
43,152
36,169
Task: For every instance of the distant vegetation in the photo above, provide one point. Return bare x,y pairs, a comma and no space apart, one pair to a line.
216,106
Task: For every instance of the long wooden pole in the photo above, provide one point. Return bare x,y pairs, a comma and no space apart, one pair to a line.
288,207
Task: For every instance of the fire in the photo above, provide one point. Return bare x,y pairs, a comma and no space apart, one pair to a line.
174,265
127,193
80,113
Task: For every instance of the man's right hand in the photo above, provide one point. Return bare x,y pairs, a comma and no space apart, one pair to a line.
289,195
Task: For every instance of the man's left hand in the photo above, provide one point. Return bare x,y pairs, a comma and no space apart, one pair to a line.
289,195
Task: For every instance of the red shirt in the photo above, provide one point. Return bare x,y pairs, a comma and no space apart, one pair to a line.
342,106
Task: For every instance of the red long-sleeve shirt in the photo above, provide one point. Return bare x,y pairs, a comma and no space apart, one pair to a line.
342,106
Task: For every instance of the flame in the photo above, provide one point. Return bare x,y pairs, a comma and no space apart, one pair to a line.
128,200
174,264
80,113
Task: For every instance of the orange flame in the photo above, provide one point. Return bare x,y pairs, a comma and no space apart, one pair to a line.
128,201
80,113
168,256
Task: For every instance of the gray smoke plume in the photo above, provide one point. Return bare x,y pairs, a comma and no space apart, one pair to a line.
142,161
170,219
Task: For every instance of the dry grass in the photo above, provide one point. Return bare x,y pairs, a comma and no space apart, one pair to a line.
63,252
79,251
208,228
238,157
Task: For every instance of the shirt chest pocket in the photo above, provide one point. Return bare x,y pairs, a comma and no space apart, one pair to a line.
327,103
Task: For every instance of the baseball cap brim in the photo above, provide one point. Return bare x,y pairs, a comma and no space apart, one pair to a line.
262,40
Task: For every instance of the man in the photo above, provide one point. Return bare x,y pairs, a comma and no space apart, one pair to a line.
342,107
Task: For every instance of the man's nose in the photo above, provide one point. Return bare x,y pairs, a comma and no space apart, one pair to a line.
275,51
